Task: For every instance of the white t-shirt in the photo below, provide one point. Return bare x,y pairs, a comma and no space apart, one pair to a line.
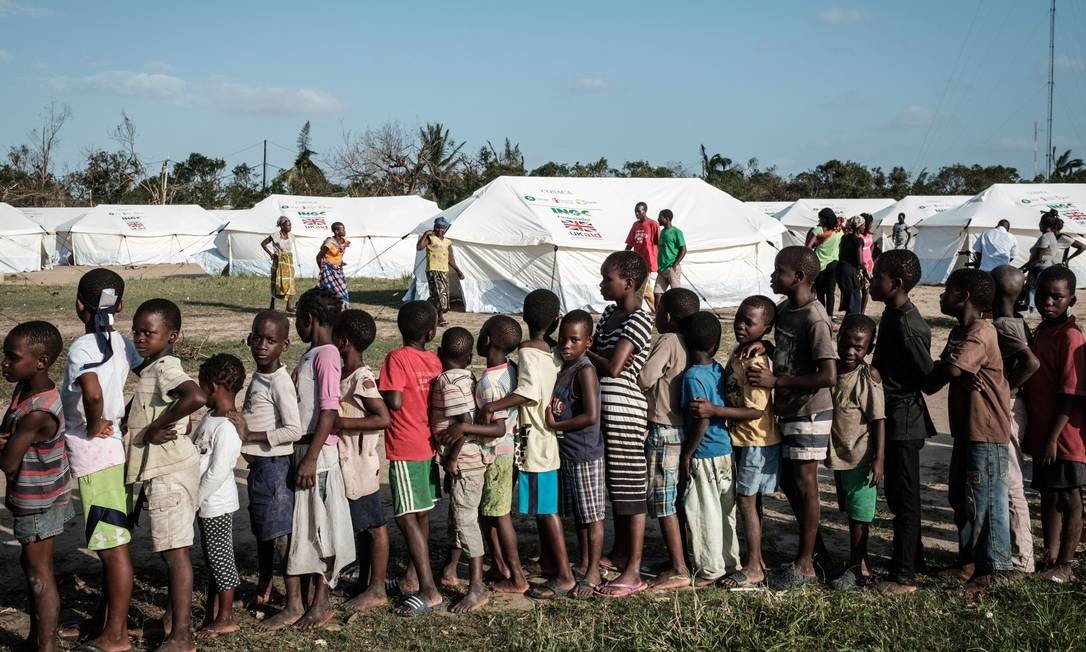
271,406
219,445
90,454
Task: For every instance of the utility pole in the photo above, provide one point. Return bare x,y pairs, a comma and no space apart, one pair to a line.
1051,85
264,181
1034,149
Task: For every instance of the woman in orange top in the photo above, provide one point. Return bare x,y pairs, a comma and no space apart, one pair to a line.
330,263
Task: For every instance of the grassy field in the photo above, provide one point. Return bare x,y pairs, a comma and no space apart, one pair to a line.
1024,614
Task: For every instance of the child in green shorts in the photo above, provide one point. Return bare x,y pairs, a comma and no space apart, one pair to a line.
856,441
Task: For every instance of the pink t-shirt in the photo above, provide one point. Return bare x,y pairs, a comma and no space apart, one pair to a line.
410,372
644,238
865,251
317,379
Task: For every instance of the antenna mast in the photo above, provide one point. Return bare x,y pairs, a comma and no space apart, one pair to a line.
1051,85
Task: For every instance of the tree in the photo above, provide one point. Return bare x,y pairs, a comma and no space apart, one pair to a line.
109,177
244,189
1064,169
645,169
196,180
960,179
305,177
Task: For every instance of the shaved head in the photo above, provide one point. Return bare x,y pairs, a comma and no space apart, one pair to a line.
1009,280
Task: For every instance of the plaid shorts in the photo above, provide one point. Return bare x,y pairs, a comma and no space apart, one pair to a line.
806,438
663,447
581,491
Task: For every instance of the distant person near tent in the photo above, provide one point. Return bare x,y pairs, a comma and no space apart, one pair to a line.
439,260
849,264
825,239
330,263
1044,253
995,247
282,254
670,258
644,238
867,259
901,234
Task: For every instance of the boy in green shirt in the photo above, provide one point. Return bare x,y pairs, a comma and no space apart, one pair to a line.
669,256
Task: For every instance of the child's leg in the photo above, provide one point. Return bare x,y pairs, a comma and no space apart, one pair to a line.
803,479
318,612
265,564
705,520
662,450
464,499
416,531
496,503
179,568
218,540
507,537
752,531
726,498
902,489
1021,528
593,552
1072,525
37,561
1051,524
374,596
117,594
553,539
857,546
499,567
986,530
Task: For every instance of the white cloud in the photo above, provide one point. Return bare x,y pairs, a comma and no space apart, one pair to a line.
272,100
12,8
126,84
6,56
157,66
916,116
1068,65
842,16
594,85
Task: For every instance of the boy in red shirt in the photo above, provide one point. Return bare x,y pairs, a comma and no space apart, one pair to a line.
644,238
1054,430
405,384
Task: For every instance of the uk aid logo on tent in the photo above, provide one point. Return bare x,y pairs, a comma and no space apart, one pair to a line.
578,223
1063,204
134,221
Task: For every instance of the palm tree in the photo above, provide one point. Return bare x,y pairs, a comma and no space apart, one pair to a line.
305,177
1064,166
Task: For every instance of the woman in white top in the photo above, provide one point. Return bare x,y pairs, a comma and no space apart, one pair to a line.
282,254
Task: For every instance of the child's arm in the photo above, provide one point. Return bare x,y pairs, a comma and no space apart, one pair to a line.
1020,367
34,427
225,448
486,413
452,457
825,376
878,441
393,399
93,405
306,475
188,398
655,367
376,419
589,388
452,264
1064,403
941,374
702,409
453,433
496,428
326,372
611,367
690,444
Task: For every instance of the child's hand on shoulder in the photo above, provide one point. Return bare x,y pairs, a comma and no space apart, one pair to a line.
156,435
753,349
238,421
761,377
701,409
101,428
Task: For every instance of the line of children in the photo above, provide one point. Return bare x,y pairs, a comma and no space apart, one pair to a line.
666,428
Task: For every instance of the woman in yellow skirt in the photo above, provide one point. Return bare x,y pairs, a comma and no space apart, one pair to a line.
282,254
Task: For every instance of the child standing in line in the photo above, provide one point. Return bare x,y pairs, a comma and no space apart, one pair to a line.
755,440
804,367
322,543
269,425
856,442
619,350
439,260
404,382
903,359
979,406
705,468
95,370
661,379
1057,418
35,465
161,456
497,339
575,413
221,378
1019,365
362,418
536,447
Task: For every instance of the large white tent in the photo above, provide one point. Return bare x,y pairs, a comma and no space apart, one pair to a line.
376,227
20,241
941,237
916,208
56,221
517,234
770,208
142,235
802,216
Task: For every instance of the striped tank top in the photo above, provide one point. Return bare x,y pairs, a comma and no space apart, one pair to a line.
42,479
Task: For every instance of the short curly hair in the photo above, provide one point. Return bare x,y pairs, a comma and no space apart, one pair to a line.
800,259
541,308
763,303
504,332
357,327
416,319
679,303
979,285
167,309
41,336
630,265
902,264
856,323
457,343
581,318
223,369
321,305
701,331
1059,273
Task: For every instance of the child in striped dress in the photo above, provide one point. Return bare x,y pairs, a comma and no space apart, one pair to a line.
619,350
35,464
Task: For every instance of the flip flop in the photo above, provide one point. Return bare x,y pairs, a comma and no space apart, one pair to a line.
789,578
392,588
738,581
674,581
536,592
418,606
623,590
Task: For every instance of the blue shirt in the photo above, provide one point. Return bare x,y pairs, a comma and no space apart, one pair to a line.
707,381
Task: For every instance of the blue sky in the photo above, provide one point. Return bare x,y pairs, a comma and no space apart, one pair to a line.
919,83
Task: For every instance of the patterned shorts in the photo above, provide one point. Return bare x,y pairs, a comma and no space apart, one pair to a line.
414,485
498,488
662,450
806,438
581,491
439,290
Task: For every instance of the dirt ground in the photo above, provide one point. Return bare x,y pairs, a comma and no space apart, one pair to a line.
78,569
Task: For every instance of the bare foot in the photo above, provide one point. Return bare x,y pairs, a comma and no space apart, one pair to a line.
153,629
509,586
106,645
281,620
584,590
170,645
367,600
264,599
890,587
314,618
451,581
493,574
408,587
213,630
472,601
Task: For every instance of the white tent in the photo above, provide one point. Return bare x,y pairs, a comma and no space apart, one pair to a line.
56,222
802,216
916,208
142,235
517,234
770,208
376,227
941,237
20,241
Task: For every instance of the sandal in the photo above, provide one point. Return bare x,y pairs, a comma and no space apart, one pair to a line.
790,578
537,591
619,590
849,579
392,588
1060,573
413,605
738,581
